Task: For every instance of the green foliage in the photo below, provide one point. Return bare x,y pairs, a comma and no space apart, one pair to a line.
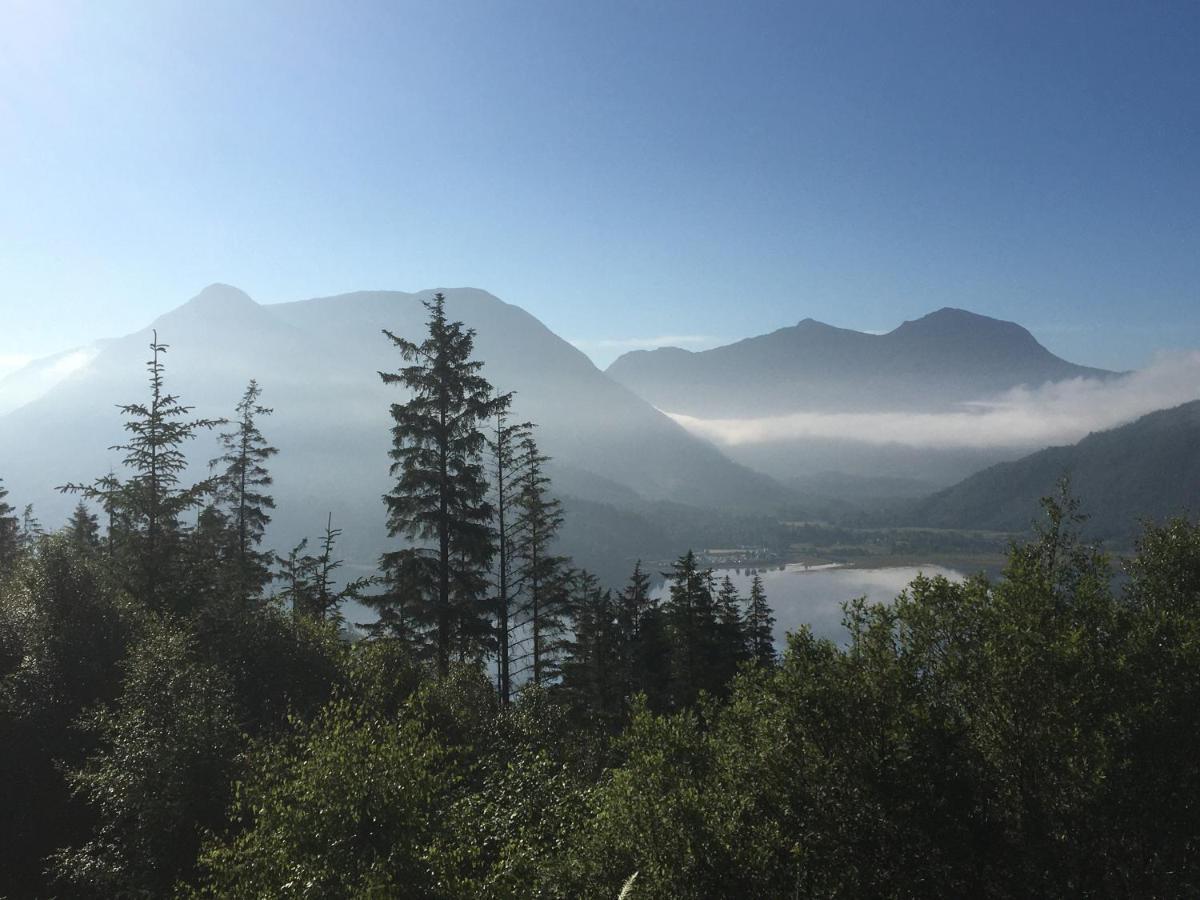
62,635
160,777
440,494
347,806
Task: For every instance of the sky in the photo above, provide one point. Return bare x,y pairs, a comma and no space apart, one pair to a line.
632,173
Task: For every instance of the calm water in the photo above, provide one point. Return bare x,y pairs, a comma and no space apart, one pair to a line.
813,596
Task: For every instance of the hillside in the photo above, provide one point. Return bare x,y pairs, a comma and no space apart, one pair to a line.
317,361
1149,468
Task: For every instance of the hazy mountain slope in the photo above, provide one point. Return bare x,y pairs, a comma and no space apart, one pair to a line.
946,357
317,361
1149,468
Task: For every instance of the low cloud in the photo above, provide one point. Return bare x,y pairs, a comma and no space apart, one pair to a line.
1057,413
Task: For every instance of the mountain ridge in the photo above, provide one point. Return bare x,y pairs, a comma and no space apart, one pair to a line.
948,356
1147,468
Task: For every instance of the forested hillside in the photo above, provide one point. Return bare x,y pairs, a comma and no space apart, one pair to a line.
182,712
1146,469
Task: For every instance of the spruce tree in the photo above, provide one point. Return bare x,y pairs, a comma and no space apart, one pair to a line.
31,530
147,506
10,530
644,653
506,464
326,598
440,499
592,674
760,625
241,491
541,575
83,528
733,647
692,631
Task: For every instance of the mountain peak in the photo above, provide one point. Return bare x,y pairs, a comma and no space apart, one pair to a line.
222,296
949,322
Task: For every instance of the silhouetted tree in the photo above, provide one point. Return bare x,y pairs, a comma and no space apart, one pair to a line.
506,466
542,575
147,506
10,530
83,528
31,529
760,624
592,675
241,490
440,494
693,631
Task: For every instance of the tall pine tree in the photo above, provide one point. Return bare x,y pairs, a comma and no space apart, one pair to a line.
506,467
148,505
241,492
693,632
83,528
440,498
542,575
760,625
10,530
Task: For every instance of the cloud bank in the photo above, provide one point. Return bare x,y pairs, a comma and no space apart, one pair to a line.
1057,413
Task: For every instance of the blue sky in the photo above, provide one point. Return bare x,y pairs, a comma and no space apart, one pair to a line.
623,170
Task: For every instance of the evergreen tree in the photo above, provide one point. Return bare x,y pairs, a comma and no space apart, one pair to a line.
9,530
240,491
592,672
326,598
542,576
644,652
148,505
760,625
692,631
733,647
440,494
31,530
298,571
83,528
506,469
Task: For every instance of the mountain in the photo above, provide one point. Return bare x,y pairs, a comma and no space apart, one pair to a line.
317,361
1149,469
947,357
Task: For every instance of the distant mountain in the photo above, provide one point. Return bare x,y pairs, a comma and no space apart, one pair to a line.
1149,468
947,357
317,361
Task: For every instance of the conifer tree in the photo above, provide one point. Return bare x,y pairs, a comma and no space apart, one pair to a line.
83,528
692,631
733,643
148,505
760,625
440,495
541,575
326,598
240,491
31,530
506,462
297,571
9,530
644,650
591,672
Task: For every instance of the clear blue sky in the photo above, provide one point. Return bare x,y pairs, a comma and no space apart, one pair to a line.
623,170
